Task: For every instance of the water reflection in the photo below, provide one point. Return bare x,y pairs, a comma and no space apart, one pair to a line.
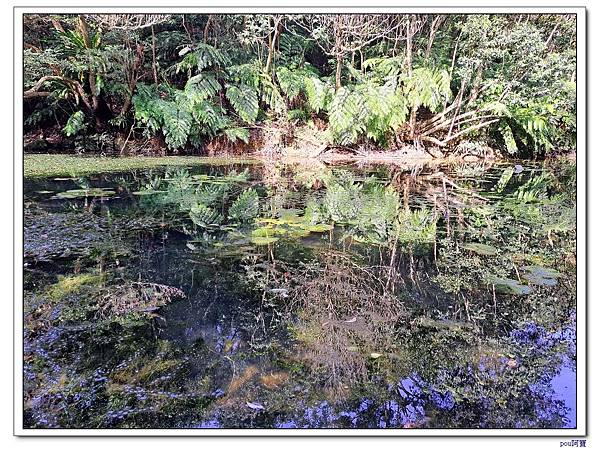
314,297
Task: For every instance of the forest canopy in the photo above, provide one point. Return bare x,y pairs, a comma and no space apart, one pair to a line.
140,83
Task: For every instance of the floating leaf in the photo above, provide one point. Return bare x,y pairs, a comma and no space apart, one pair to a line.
259,240
299,233
263,232
202,177
270,220
509,286
82,193
147,192
291,215
296,225
320,227
541,276
481,249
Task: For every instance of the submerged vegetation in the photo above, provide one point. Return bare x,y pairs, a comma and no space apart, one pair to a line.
309,83
289,295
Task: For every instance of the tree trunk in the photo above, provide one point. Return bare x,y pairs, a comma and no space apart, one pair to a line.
413,111
74,85
270,54
84,30
435,25
272,42
133,77
154,68
206,29
338,72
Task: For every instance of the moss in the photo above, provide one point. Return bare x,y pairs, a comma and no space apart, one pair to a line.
41,165
71,284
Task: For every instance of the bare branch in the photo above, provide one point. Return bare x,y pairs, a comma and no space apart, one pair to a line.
128,22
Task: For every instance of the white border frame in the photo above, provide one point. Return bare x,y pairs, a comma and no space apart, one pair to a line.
581,332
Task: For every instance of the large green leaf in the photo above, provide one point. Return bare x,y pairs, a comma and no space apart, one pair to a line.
244,100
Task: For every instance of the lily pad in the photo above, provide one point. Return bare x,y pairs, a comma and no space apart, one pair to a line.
296,225
481,249
509,286
541,276
260,240
297,233
147,192
291,215
202,176
320,227
82,193
270,220
263,232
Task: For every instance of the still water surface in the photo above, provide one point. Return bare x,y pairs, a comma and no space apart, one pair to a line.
302,296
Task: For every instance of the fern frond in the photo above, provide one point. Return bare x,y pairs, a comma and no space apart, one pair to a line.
249,74
427,87
208,193
235,134
210,116
509,139
202,87
297,114
245,208
75,124
201,57
244,100
291,81
317,93
271,95
346,116
177,124
205,217
341,203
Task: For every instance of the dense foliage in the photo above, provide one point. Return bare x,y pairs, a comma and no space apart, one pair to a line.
360,81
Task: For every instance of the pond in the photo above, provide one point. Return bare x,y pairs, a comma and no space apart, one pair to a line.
302,295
